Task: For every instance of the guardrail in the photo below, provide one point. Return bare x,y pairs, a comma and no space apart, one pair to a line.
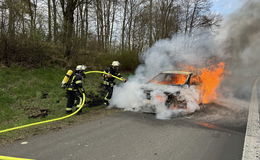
251,150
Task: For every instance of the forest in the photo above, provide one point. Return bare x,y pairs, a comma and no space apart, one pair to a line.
40,33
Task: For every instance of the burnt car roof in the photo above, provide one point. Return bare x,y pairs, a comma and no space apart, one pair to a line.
188,74
177,72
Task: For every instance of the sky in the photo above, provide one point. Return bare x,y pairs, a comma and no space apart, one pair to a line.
226,7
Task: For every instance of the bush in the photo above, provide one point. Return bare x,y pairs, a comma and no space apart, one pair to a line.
36,52
129,60
22,52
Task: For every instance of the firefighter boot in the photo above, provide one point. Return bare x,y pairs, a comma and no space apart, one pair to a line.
68,110
106,102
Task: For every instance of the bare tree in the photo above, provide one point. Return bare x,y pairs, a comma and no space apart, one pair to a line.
150,23
194,13
3,13
11,18
55,24
110,25
112,21
87,4
68,8
124,25
99,22
49,21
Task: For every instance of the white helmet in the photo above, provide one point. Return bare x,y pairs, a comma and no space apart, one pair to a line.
81,68
115,64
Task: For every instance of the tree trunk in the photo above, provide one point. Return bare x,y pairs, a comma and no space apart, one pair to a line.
77,23
68,16
124,26
49,21
112,22
69,31
107,30
193,17
82,22
100,23
11,21
55,25
31,17
86,19
187,16
150,23
130,24
2,22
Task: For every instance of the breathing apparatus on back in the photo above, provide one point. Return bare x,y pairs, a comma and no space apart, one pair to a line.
67,78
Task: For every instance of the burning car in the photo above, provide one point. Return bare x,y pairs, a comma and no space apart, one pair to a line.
171,93
175,90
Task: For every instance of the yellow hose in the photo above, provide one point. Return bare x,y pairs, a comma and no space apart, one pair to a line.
60,118
121,79
12,158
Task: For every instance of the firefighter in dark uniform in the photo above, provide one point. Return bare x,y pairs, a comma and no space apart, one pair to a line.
75,89
108,82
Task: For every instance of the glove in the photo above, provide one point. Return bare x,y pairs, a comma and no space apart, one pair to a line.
107,75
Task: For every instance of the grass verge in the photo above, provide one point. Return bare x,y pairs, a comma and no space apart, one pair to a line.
24,92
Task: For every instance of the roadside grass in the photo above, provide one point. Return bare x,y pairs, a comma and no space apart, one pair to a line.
23,92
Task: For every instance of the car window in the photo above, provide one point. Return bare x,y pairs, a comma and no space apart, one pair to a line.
179,79
170,79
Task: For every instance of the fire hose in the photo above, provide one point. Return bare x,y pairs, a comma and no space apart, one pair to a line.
64,117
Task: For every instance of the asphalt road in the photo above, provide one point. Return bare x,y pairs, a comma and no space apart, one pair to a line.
137,136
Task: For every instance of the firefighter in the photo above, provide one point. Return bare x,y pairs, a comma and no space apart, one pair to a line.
75,89
108,82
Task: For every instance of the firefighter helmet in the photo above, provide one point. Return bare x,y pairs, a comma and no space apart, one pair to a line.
81,68
115,64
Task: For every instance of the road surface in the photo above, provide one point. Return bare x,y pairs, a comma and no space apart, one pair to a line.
137,136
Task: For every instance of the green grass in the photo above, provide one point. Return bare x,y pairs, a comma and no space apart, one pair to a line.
21,91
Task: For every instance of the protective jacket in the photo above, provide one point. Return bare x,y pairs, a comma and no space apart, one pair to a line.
76,83
110,80
74,92
109,83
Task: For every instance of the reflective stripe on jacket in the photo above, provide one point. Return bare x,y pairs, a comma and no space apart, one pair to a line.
110,80
76,83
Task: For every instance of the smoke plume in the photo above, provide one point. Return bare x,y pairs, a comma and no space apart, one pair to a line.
237,43
239,40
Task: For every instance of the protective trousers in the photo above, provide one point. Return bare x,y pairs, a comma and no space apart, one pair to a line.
108,93
74,98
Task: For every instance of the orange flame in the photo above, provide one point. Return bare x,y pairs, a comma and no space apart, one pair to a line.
179,79
209,79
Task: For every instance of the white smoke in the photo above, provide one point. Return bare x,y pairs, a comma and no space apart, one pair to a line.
129,96
167,54
239,39
164,55
237,43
